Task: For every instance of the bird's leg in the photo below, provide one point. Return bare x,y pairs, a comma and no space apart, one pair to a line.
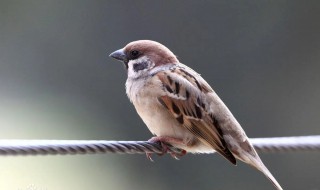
164,142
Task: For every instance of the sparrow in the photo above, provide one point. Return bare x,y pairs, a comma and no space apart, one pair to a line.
180,108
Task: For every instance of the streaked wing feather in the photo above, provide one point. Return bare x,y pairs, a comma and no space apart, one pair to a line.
182,99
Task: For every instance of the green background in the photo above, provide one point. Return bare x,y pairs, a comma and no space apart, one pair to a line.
57,82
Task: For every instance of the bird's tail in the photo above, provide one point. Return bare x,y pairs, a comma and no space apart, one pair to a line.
258,164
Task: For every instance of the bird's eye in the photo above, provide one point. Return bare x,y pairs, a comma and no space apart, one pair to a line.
134,53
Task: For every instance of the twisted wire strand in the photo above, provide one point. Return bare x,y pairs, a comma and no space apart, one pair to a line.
71,147
285,144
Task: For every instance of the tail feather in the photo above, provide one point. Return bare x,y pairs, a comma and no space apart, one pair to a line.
246,153
258,164
268,174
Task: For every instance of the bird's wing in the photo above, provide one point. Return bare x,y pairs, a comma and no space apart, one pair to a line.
183,97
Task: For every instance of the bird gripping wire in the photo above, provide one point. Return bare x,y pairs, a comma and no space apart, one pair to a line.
71,147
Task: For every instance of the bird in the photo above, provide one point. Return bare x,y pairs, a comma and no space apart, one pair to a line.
180,108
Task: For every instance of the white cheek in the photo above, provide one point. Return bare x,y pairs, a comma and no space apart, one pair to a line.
131,72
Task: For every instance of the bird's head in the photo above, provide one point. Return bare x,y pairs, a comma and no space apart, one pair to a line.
141,56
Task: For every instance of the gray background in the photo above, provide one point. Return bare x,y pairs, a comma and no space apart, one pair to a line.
57,82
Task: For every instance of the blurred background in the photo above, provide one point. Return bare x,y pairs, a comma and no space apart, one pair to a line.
57,82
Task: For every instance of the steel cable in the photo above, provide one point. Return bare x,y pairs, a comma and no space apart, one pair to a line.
71,147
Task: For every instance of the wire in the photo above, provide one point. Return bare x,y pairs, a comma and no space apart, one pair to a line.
285,144
71,147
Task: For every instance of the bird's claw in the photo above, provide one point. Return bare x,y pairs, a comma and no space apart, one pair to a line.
177,155
165,149
149,157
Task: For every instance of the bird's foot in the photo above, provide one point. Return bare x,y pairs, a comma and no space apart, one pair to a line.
165,143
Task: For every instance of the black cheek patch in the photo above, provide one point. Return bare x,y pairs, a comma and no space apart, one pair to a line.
140,66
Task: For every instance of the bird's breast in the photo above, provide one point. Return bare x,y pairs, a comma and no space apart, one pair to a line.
144,95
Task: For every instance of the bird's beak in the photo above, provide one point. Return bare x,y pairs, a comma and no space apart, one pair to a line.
119,55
